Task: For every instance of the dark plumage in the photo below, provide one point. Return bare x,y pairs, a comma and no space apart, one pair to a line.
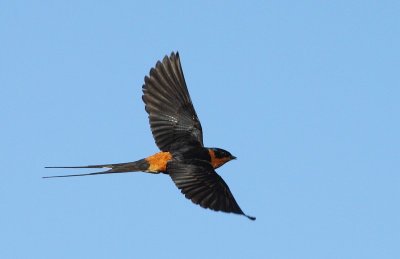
178,134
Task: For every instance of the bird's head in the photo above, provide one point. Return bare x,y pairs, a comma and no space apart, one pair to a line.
220,156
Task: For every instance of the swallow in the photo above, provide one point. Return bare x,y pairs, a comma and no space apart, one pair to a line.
178,134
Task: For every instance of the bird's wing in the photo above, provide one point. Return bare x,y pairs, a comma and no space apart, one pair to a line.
198,181
172,117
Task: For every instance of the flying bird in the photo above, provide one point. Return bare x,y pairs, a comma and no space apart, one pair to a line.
178,134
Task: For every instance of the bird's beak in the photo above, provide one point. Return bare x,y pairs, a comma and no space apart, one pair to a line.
233,157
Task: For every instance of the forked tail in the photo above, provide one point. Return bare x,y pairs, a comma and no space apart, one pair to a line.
140,165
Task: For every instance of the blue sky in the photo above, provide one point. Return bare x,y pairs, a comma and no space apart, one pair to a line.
305,93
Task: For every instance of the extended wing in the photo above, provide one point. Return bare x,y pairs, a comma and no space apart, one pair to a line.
198,181
172,117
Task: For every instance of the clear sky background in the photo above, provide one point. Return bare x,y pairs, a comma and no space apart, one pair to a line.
305,93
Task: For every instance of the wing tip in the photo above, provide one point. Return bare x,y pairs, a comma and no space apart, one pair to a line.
174,54
173,57
250,217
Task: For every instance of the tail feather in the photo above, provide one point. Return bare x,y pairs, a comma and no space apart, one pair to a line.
71,175
140,165
87,166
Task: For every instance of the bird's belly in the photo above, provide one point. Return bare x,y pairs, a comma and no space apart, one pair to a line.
158,162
